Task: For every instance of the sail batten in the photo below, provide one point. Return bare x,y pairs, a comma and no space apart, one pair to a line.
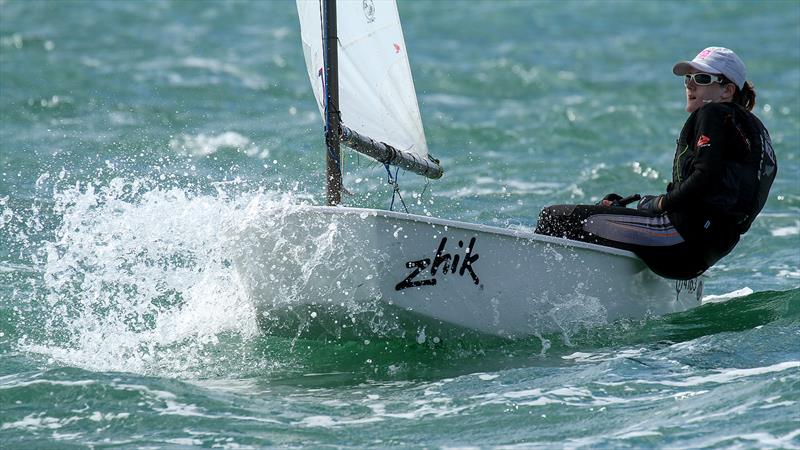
377,99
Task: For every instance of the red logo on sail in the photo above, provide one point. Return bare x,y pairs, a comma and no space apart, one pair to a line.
703,141
396,48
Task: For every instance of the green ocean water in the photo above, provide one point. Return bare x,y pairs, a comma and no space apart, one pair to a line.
133,134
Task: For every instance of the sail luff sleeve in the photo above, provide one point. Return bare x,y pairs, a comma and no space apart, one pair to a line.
333,171
387,154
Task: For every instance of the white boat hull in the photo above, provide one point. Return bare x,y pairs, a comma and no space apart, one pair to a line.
317,271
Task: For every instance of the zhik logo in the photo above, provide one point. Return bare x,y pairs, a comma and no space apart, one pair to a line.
447,262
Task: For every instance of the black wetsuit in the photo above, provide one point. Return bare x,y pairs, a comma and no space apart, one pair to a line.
723,169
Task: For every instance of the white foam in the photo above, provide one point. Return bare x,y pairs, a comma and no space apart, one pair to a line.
65,436
32,422
636,434
582,357
726,375
730,412
18,384
139,278
792,230
97,416
203,145
568,395
250,80
186,442
784,273
725,297
778,404
9,267
523,393
762,440
541,401
571,392
330,422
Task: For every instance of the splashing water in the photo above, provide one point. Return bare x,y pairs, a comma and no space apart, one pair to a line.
304,266
138,278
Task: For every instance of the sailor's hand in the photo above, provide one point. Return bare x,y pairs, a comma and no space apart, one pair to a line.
618,201
650,204
610,200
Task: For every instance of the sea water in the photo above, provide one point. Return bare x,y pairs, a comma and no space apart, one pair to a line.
135,135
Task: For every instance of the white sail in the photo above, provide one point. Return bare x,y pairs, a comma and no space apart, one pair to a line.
376,91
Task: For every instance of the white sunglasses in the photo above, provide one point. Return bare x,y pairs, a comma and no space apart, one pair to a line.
703,79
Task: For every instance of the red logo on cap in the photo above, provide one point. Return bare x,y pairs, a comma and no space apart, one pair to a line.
703,54
703,141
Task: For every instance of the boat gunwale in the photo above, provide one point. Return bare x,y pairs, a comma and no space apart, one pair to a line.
519,234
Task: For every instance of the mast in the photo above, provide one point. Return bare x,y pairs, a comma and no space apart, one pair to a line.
333,171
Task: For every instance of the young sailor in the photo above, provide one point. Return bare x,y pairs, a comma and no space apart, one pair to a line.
723,169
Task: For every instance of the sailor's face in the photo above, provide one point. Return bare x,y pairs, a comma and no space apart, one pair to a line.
698,95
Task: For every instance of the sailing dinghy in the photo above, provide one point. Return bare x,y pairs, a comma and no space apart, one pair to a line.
315,271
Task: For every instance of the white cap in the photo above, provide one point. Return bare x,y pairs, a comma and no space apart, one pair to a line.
715,60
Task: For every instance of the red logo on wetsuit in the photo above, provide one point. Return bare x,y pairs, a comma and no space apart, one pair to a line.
703,141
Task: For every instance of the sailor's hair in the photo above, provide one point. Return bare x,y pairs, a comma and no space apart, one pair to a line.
745,97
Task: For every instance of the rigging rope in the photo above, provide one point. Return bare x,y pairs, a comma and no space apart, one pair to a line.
392,180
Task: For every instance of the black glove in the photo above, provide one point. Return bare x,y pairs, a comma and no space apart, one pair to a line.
618,201
649,204
613,198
